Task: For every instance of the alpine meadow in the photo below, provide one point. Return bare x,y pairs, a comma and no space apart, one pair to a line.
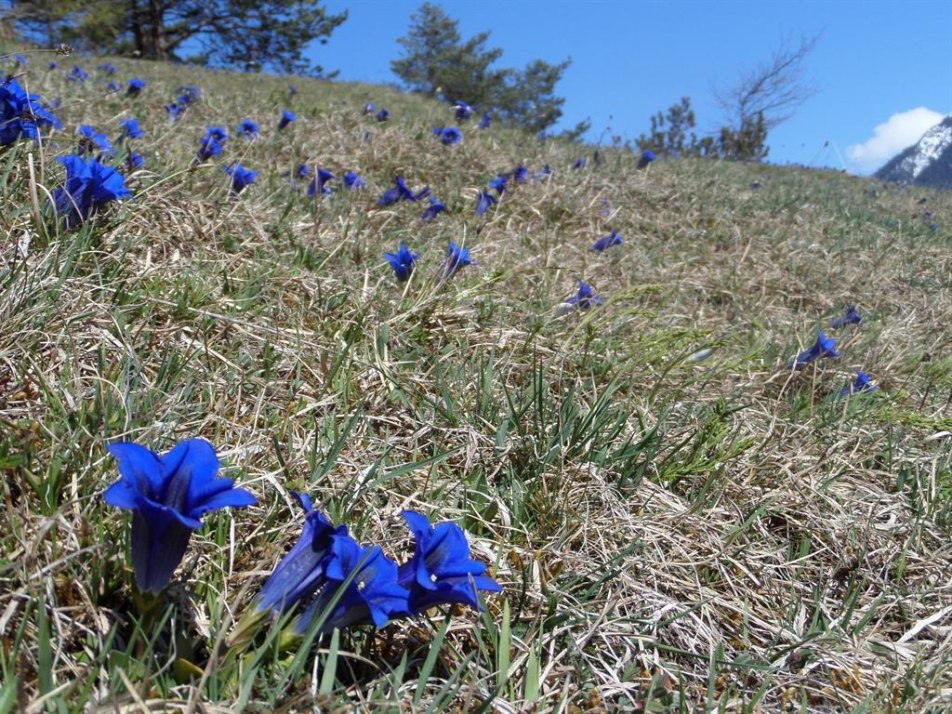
323,396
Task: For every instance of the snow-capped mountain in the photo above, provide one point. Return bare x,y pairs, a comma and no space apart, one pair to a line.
928,163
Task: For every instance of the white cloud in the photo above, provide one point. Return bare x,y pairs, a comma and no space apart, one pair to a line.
900,131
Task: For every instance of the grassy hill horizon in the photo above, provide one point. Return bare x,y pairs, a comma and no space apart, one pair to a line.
678,520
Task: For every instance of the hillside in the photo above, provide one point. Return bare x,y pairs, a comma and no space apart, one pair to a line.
677,519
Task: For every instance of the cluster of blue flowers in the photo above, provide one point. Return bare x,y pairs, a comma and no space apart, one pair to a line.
22,116
169,494
825,347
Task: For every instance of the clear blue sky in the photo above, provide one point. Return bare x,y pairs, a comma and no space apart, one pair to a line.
876,60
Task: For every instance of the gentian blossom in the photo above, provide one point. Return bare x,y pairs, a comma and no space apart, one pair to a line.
860,385
449,135
248,129
850,317
21,115
168,495
189,95
580,163
441,571
402,262
134,160
607,241
131,128
174,111
435,208
135,87
318,186
462,111
401,192
647,156
208,147
544,173
499,184
353,181
457,257
485,121
113,87
108,69
369,108
823,347
77,74
485,201
383,115
287,116
520,174
241,177
20,60
52,65
89,186
90,139
585,297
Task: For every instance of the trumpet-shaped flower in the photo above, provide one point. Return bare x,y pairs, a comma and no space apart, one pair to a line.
168,495
580,163
287,116
113,86
90,139
435,208
608,241
319,185
369,108
647,156
174,111
850,317
520,174
585,297
441,571
402,192
77,74
823,347
20,60
450,135
353,181
402,262
457,257
189,95
462,111
89,186
860,385
499,184
131,128
248,129
241,177
107,68
21,115
372,595
134,160
135,87
485,201
383,115
485,121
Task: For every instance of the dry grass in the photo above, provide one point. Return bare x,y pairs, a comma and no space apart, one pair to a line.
672,535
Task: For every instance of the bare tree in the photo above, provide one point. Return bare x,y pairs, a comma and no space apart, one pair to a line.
773,90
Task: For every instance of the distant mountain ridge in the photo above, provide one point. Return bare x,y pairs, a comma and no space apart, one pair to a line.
927,163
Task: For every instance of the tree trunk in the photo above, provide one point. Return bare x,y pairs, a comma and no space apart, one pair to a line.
157,29
135,23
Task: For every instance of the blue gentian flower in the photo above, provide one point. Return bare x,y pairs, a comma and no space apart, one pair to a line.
485,201
21,115
850,317
823,347
383,115
134,160
135,87
287,116
301,571
451,135
373,595
218,133
402,262
20,60
436,207
108,69
520,174
485,121
647,156
544,173
52,65
189,95
241,177
585,297
168,495
860,385
499,184
352,181
131,128
90,139
402,192
318,187
369,108
607,241
248,129
77,74
933,227
441,571
580,163
174,111
462,110
208,147
457,257
113,87
303,171
89,186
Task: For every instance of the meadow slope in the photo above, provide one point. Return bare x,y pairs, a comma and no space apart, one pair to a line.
678,520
